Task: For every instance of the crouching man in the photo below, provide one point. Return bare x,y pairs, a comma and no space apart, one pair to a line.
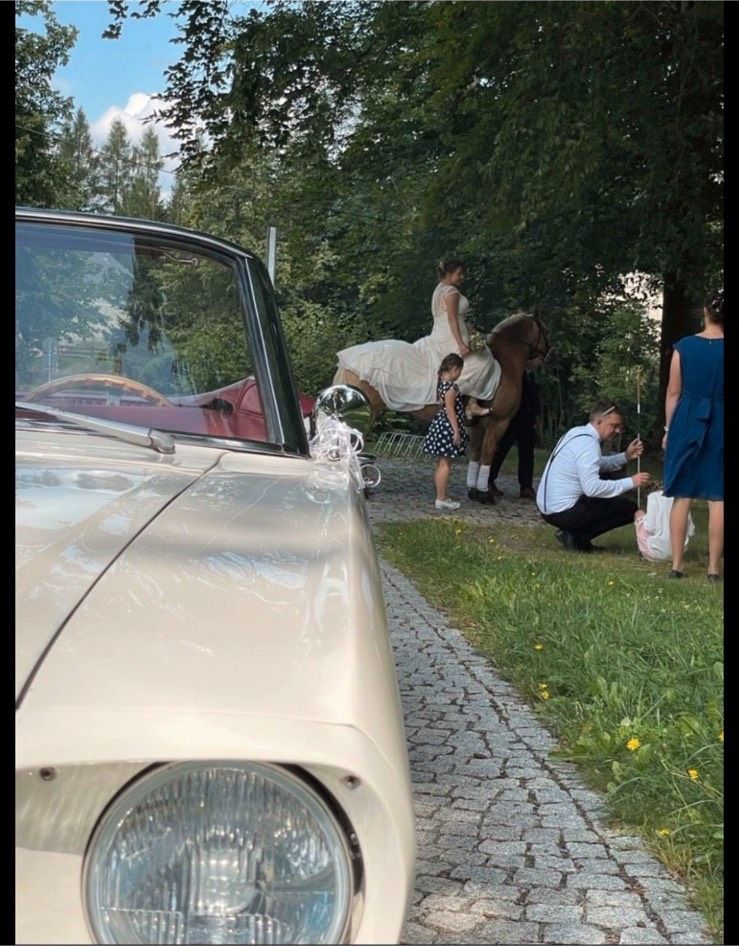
573,497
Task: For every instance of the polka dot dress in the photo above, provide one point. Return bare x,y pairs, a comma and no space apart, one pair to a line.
440,436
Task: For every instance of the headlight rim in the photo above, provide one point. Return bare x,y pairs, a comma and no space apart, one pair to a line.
294,774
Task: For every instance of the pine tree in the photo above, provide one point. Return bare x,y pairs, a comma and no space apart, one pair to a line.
81,165
115,168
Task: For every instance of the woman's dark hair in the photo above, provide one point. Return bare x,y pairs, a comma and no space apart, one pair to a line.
714,305
446,266
452,360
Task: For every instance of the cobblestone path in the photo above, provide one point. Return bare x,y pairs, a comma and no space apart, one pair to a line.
511,848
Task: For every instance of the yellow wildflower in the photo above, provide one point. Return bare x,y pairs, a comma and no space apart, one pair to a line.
457,531
611,582
544,694
543,686
540,646
721,736
633,744
694,774
663,832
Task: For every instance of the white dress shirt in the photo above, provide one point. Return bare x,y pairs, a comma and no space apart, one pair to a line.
574,469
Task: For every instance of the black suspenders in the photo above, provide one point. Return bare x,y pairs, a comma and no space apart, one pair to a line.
555,453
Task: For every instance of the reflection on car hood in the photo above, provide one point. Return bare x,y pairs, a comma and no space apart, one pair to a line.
254,593
80,500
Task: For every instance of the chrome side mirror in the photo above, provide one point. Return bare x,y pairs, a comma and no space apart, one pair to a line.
345,402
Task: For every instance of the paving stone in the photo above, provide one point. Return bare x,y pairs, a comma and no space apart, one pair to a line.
636,934
573,933
561,896
529,876
614,898
617,917
417,933
507,932
553,913
486,790
502,909
454,922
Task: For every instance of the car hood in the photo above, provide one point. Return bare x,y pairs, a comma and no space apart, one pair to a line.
245,589
80,501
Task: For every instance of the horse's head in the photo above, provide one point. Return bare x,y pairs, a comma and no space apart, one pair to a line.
525,329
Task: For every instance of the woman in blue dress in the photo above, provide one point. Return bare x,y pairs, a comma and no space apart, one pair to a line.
694,435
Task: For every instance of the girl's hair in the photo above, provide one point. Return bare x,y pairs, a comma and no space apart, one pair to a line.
714,305
446,266
453,360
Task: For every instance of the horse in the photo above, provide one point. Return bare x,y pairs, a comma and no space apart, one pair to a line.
518,343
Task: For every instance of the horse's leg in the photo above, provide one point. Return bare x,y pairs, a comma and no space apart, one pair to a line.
489,432
477,441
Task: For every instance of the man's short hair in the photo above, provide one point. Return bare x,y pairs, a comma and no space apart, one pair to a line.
602,409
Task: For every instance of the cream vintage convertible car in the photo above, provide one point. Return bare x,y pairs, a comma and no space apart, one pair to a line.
210,746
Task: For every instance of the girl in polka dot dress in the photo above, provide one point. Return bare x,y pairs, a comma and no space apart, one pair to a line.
446,435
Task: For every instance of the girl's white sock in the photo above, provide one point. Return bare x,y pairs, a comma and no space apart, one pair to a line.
482,479
472,469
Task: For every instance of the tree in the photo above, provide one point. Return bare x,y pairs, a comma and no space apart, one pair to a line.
116,168
80,165
39,109
142,195
557,147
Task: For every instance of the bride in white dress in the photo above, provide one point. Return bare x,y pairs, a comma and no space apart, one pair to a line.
405,374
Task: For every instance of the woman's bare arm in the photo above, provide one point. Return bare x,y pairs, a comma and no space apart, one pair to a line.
674,389
452,311
449,403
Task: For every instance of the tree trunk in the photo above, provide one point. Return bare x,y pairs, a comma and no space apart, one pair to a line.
678,319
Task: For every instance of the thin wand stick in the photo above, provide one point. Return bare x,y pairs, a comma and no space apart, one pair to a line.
638,430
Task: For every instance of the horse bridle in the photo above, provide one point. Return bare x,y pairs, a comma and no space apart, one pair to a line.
534,350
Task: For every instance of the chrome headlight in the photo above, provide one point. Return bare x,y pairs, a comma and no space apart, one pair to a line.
218,852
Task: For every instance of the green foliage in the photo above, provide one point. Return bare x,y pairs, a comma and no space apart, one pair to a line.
626,668
555,147
39,109
81,166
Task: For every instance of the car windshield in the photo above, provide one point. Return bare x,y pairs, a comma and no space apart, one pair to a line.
136,328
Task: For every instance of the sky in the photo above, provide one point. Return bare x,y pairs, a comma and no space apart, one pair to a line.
116,78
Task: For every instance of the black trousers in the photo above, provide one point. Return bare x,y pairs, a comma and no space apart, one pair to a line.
592,516
522,432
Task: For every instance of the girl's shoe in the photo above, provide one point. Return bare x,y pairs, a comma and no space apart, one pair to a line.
713,577
675,574
446,504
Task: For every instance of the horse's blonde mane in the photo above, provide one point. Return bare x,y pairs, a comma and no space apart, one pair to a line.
513,319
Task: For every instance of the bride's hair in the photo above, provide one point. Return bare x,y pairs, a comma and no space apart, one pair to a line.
446,266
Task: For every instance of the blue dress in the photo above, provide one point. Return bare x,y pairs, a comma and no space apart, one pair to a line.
694,457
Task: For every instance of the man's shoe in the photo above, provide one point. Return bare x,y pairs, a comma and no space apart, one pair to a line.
587,546
473,494
527,493
568,540
492,488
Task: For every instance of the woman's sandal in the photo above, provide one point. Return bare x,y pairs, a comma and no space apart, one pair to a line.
675,574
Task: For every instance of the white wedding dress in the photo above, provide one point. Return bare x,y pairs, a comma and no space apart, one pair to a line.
405,374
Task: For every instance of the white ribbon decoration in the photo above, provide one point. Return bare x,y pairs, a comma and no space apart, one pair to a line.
335,440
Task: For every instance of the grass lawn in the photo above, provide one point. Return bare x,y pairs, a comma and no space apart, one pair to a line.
623,665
